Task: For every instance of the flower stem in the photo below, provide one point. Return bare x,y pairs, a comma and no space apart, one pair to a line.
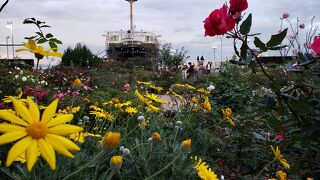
263,169
164,168
92,162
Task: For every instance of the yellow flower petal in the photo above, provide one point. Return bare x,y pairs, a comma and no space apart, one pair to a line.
8,116
22,110
17,149
67,143
56,145
12,136
60,119
22,49
32,44
64,129
32,154
50,112
47,153
4,128
33,109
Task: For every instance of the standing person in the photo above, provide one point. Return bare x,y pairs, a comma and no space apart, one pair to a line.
208,67
190,70
201,64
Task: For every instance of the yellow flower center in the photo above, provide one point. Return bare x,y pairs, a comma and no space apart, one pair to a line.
37,130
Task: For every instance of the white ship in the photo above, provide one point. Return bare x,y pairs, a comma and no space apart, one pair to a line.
126,44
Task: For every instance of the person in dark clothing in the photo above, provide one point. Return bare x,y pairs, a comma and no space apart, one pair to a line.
190,70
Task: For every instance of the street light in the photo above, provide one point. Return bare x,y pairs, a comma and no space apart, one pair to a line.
214,47
220,48
10,26
7,46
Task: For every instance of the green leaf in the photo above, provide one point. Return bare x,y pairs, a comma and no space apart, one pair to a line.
277,39
53,46
301,106
44,26
246,25
244,49
277,47
40,34
29,21
56,40
49,35
42,40
259,44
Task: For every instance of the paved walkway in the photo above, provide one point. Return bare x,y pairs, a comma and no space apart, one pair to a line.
174,103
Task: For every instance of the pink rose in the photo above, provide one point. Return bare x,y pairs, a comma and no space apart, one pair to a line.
301,26
315,46
285,15
219,22
237,6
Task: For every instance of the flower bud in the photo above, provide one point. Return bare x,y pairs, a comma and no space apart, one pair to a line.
116,162
121,148
126,151
156,136
111,140
186,144
140,118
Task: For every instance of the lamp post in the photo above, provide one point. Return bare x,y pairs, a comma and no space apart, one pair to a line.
10,26
7,38
214,47
220,48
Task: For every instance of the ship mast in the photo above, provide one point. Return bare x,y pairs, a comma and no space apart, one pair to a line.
131,13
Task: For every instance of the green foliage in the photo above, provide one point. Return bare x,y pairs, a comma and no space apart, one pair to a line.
41,38
166,59
246,25
80,55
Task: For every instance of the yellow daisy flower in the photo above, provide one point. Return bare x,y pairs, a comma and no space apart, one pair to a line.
37,134
155,98
227,114
203,91
280,157
38,50
204,171
131,110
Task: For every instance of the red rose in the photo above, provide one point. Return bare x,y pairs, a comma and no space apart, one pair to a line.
219,22
315,46
237,6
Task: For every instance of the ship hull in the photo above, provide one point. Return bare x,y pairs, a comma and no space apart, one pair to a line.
121,51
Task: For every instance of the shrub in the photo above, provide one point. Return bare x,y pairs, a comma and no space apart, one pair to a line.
81,55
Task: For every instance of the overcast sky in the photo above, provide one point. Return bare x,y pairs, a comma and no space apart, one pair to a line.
179,22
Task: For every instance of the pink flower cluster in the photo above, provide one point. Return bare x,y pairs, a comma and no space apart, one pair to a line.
221,20
38,93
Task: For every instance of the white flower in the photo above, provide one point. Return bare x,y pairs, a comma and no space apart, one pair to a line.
126,151
121,148
10,72
85,118
21,72
211,87
24,79
140,118
43,82
16,76
178,123
150,139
